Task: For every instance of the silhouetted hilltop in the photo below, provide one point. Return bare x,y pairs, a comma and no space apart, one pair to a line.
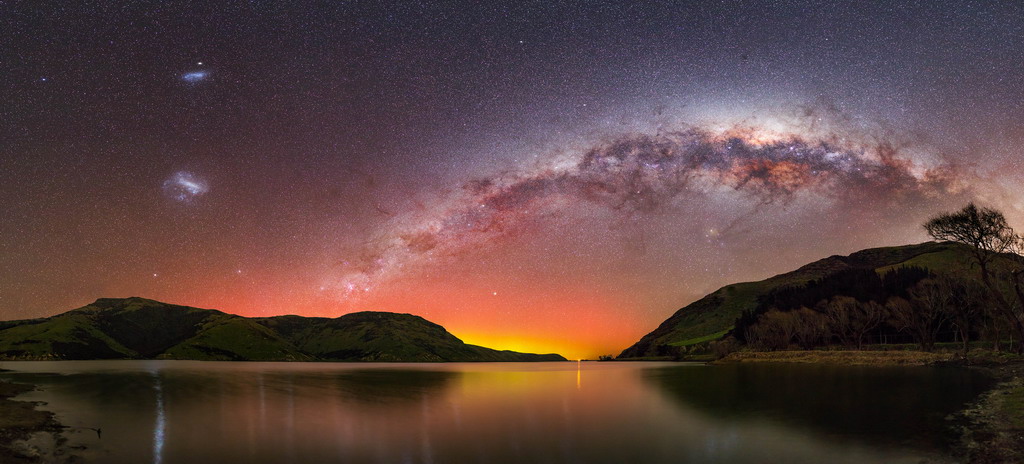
137,328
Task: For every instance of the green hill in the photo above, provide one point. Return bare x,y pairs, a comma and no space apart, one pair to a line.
378,336
137,328
713,316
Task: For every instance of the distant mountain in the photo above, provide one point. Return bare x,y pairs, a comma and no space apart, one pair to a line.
137,328
713,316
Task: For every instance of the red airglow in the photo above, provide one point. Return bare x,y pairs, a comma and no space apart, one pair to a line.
578,323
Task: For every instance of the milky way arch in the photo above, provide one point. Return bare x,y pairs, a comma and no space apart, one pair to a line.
637,174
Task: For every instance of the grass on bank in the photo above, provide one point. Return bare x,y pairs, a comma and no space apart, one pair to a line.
704,339
1013,406
850,358
994,428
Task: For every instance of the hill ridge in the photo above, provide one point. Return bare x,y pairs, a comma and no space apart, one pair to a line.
712,315
141,328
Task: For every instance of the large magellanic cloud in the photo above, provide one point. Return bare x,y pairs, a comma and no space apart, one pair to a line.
636,174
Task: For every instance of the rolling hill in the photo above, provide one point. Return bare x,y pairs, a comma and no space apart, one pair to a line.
712,316
137,328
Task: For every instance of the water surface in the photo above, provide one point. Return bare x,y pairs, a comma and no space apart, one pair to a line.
188,412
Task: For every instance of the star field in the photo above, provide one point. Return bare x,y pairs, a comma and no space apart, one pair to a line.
544,176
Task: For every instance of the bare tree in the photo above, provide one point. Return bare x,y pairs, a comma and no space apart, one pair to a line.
773,331
852,320
839,310
989,235
811,327
870,315
992,325
721,348
926,313
969,306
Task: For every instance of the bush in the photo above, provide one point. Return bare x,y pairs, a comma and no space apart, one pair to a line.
721,348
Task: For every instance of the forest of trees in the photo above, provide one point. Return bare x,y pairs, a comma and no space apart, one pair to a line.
856,307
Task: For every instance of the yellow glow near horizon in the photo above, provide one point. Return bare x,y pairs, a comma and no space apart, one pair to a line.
528,345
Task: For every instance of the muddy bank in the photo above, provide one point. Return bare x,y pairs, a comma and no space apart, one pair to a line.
992,428
20,421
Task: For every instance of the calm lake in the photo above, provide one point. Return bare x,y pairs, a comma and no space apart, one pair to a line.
189,412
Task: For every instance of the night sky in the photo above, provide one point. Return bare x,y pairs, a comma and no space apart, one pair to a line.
541,176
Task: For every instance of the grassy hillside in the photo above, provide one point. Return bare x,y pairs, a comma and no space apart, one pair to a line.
712,316
137,328
377,336
68,336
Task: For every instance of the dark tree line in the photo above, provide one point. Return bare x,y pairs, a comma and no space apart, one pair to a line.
902,305
864,284
850,307
854,307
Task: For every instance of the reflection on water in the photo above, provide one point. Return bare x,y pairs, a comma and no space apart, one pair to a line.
187,412
882,405
161,422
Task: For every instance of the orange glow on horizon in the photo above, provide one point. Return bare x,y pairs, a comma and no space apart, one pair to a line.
567,316
569,349
585,330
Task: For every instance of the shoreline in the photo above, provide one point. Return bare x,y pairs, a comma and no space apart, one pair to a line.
989,430
845,358
20,421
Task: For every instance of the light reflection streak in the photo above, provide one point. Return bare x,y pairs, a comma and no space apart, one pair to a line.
426,448
159,429
290,420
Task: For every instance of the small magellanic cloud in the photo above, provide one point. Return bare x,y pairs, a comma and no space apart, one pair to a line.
195,77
